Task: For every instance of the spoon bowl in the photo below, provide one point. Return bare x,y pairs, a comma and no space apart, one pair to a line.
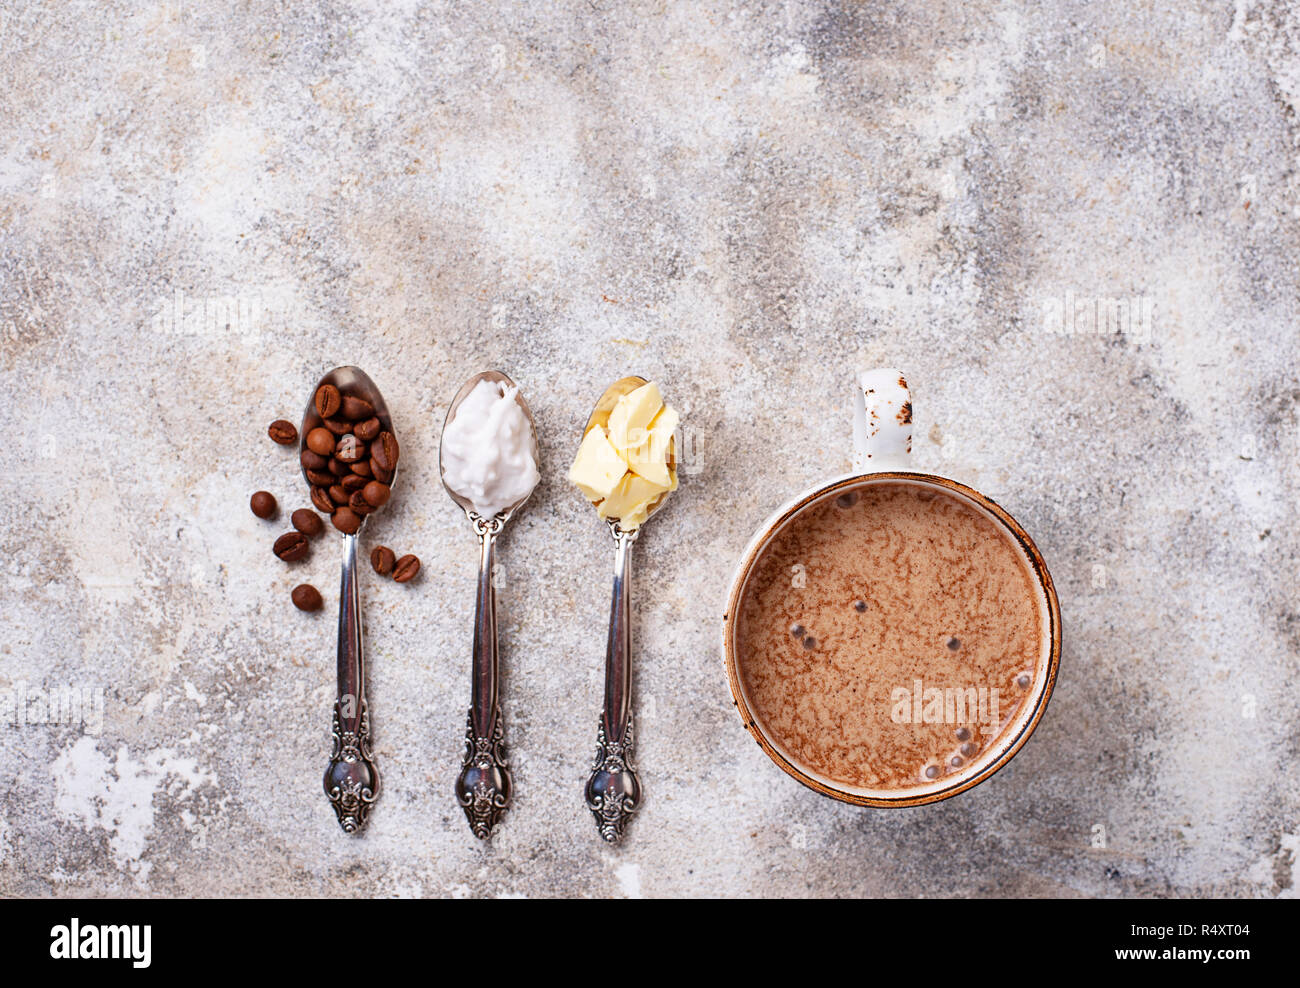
504,381
354,381
600,417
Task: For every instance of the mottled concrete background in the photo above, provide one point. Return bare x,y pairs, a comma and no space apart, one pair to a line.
203,206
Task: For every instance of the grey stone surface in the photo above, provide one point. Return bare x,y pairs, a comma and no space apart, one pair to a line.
204,206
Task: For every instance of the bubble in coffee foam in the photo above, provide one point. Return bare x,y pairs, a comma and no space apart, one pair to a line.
847,500
931,771
810,642
963,734
798,630
954,644
956,761
1023,680
860,606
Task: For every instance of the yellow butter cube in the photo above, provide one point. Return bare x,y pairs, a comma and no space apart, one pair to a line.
631,417
627,503
598,467
650,459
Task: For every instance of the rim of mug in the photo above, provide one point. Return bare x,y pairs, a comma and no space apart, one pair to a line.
905,797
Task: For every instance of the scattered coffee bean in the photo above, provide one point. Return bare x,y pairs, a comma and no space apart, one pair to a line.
346,520
338,426
327,400
320,441
338,495
376,493
366,430
352,483
320,478
382,559
362,468
320,499
283,432
355,408
312,461
384,452
349,449
379,473
263,504
291,546
307,522
338,467
405,569
306,597
358,503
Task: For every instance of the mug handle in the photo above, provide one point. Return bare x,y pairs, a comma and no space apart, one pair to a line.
882,421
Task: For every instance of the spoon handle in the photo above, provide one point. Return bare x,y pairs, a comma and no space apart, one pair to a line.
483,786
351,780
613,790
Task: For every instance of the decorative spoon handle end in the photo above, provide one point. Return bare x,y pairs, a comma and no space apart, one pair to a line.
352,780
613,791
484,785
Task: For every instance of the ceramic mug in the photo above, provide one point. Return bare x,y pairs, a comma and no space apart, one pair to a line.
882,433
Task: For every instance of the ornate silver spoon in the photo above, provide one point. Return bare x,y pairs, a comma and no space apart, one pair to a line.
613,791
351,779
483,787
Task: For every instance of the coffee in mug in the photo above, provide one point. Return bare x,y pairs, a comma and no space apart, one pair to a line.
892,637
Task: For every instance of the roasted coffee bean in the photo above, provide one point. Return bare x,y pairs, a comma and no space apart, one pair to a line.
263,504
349,449
358,503
366,430
355,408
362,468
306,597
346,520
320,498
338,467
352,483
404,569
327,400
338,426
384,452
338,495
320,441
313,461
377,493
291,546
283,432
307,522
379,473
320,478
382,559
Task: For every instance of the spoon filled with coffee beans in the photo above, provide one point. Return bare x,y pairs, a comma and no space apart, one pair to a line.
349,457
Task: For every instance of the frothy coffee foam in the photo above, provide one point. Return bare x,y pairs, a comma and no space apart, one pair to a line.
887,638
